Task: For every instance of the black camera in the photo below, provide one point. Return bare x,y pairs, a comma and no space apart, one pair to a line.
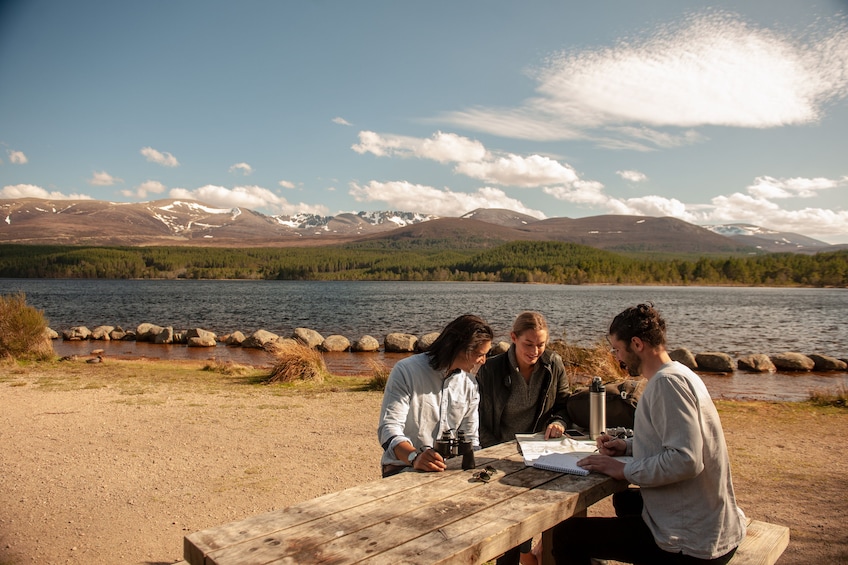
449,446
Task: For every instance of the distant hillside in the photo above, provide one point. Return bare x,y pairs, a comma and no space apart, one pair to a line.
180,222
770,240
636,233
189,223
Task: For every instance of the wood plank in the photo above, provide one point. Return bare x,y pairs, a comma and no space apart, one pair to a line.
488,533
354,522
199,544
764,543
342,537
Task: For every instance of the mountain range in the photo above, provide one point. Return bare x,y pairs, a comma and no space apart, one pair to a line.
191,223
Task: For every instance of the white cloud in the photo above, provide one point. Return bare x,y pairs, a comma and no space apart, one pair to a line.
251,197
33,191
17,157
286,184
145,188
102,178
582,192
341,121
441,147
471,157
713,69
402,195
743,208
632,176
770,187
514,170
243,167
164,159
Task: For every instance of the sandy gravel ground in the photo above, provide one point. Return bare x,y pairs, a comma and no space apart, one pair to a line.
118,474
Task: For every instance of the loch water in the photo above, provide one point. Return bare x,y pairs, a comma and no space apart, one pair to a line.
735,320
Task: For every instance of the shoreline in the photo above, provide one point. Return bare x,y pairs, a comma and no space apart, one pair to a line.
782,387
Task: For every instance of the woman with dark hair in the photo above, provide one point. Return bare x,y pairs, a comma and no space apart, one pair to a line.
523,390
433,392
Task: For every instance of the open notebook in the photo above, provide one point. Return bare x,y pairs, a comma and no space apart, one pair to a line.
560,454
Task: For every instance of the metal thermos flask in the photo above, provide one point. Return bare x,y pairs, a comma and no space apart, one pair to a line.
597,408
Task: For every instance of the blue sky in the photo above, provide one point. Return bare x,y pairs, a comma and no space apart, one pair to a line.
711,112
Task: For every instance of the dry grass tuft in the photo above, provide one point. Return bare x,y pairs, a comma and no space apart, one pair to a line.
582,363
296,362
380,375
22,330
837,396
226,368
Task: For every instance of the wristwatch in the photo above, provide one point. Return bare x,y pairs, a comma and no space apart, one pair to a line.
411,457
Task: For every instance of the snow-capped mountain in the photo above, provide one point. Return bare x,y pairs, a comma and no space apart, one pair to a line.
769,240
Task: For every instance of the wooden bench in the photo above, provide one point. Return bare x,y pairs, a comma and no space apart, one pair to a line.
763,544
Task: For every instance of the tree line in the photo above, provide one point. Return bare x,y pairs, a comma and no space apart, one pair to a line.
521,261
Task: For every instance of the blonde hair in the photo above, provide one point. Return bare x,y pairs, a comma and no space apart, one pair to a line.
529,321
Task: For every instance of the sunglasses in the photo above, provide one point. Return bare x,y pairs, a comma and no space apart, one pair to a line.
485,475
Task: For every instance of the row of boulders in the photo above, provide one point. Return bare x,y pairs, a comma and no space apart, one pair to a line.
710,361
718,362
260,339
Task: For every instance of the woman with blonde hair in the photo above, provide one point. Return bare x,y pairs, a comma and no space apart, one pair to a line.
523,390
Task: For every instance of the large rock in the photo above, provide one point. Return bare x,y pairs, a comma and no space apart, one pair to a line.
757,363
50,333
307,337
499,347
827,363
235,339
793,361
197,337
365,344
102,333
335,343
684,357
426,340
260,339
205,340
147,332
714,362
165,336
117,334
76,333
400,343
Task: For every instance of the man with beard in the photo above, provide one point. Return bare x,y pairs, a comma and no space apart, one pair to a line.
684,510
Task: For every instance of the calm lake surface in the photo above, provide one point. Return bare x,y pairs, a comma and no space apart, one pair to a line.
737,321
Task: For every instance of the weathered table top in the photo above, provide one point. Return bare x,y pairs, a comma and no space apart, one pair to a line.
409,518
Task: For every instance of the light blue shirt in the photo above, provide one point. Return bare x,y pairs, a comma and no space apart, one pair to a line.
419,403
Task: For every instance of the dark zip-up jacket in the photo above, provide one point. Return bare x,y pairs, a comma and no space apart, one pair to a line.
495,382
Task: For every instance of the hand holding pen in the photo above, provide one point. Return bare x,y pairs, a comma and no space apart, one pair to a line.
609,445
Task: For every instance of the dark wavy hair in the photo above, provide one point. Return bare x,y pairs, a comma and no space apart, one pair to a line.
642,321
466,333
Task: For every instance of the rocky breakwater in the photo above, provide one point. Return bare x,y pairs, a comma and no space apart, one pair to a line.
260,339
787,362
396,342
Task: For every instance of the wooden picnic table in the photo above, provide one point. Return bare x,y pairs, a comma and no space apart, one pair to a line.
412,517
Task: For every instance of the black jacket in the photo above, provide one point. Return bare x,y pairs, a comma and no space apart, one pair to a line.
495,382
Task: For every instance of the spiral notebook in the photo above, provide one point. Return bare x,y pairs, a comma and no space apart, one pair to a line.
560,454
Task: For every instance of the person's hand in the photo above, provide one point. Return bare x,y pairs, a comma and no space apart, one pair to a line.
554,429
429,461
603,464
609,445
